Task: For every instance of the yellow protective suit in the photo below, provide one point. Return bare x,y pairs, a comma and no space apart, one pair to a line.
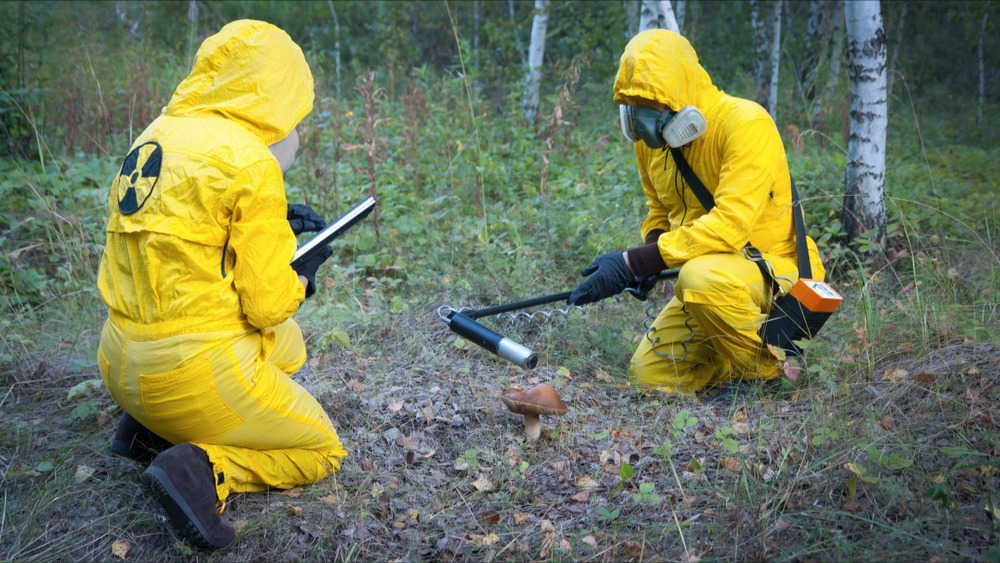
720,300
199,343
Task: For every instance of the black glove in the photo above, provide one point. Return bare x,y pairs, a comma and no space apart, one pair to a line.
303,219
610,276
308,268
640,287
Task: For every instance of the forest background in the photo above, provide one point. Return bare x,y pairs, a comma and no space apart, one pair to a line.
884,447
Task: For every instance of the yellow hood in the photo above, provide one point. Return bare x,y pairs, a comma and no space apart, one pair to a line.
662,66
250,72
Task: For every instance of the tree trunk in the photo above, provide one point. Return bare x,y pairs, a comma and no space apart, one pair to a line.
679,12
336,46
536,54
761,71
667,19
895,51
836,50
982,71
649,15
772,94
864,194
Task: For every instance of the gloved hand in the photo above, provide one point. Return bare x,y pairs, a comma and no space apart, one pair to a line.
308,268
303,219
640,287
609,275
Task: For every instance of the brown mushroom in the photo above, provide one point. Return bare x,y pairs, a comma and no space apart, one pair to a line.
542,399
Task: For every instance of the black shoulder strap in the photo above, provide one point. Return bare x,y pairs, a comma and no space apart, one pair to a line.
708,202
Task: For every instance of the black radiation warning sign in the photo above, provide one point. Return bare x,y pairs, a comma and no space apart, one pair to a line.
139,174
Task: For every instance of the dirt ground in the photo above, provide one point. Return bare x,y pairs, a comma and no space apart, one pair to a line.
439,469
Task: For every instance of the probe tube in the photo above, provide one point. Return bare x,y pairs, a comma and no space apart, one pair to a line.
492,341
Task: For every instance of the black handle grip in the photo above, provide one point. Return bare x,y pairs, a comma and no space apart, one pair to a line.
491,341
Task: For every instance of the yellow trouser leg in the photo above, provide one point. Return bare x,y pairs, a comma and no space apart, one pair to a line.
229,394
723,299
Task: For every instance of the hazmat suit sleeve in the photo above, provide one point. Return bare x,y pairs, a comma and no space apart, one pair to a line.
262,240
657,216
751,152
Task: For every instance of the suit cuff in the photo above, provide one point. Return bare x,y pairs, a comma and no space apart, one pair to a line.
653,235
646,260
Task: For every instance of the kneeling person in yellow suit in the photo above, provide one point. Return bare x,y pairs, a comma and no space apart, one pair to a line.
708,333
199,343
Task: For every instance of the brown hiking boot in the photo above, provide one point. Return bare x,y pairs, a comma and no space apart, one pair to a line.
182,481
136,442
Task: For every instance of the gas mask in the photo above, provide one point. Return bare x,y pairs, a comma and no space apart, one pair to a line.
660,128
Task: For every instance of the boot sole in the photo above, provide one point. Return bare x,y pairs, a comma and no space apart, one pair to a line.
179,513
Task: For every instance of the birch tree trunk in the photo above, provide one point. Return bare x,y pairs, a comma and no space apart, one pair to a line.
864,194
891,76
679,12
761,47
649,15
836,50
667,19
772,93
982,71
536,54
336,45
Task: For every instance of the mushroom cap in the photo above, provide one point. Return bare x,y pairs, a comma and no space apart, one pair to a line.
542,399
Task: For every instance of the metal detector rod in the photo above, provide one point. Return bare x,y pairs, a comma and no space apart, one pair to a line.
334,230
490,340
490,311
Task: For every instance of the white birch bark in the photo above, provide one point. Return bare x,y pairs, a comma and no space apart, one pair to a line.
891,76
982,70
667,19
836,50
336,45
864,193
649,15
761,74
775,58
536,54
679,11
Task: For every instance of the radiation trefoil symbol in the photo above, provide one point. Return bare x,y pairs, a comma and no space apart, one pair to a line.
138,176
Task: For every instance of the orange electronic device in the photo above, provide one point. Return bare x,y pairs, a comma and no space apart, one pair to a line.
800,313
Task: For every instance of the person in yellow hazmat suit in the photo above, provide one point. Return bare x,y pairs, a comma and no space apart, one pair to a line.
199,342
708,333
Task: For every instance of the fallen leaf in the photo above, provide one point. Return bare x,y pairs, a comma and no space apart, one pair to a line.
546,526
925,378
582,496
491,517
406,441
428,413
239,525
894,373
295,510
886,422
741,415
589,540
519,517
367,464
489,539
852,507
853,470
330,499
120,548
355,386
586,482
482,483
84,472
397,405
731,464
741,427
993,511
632,548
291,493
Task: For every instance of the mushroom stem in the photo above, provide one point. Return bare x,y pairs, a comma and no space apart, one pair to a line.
532,427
